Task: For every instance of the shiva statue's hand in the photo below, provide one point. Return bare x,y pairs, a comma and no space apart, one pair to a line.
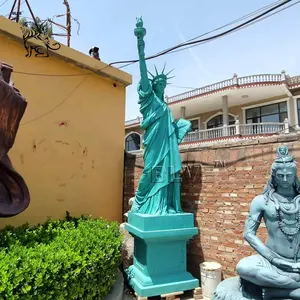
286,265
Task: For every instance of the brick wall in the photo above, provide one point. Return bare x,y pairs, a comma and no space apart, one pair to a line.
218,184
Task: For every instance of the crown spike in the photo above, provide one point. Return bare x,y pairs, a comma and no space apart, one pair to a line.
163,69
156,70
150,73
170,72
171,77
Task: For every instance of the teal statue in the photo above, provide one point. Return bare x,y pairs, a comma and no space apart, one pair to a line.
274,272
158,192
156,221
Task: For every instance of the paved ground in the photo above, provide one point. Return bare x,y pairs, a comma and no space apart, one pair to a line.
128,297
186,296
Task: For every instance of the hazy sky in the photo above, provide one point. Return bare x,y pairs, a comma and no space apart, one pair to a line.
266,47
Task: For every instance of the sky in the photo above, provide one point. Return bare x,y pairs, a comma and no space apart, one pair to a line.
266,47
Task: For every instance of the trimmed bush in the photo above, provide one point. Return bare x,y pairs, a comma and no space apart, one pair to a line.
60,260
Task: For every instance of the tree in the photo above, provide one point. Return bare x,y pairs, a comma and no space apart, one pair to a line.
43,27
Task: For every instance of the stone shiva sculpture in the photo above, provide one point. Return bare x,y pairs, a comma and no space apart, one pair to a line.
274,272
14,194
158,191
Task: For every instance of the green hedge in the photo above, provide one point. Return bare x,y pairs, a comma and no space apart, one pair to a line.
59,260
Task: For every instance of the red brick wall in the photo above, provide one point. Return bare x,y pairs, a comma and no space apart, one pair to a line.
219,197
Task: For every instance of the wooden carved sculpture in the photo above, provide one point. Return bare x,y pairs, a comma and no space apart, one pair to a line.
14,193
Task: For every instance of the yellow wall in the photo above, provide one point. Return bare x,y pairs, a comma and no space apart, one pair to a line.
78,167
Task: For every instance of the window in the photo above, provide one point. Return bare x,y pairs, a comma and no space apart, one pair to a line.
268,113
133,142
217,121
195,124
298,110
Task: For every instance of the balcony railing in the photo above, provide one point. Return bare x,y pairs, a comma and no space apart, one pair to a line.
236,81
294,80
262,128
237,130
137,120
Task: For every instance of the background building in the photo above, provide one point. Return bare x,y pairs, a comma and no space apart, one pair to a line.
236,108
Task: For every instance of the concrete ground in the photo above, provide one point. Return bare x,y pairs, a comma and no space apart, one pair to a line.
186,296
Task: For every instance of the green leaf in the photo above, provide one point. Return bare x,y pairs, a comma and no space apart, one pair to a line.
75,258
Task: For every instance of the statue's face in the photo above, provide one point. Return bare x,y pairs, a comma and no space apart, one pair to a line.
285,177
159,87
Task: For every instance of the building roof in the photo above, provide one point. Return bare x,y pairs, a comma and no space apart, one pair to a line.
235,83
12,30
259,85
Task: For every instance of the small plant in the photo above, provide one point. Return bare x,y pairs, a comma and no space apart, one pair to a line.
41,26
75,258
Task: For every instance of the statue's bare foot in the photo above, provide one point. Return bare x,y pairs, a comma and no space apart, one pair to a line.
272,293
171,210
267,294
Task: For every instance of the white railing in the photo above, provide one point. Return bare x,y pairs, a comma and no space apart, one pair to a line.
262,128
203,90
237,130
260,78
235,81
137,120
209,134
294,80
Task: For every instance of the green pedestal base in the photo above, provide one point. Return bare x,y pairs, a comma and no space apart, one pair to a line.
160,253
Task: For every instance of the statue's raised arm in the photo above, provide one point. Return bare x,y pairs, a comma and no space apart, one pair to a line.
140,32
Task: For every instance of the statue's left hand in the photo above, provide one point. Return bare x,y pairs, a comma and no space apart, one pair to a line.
285,265
296,267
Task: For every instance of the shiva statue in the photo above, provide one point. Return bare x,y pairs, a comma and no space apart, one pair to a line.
273,273
158,191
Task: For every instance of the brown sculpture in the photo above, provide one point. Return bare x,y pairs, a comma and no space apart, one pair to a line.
14,193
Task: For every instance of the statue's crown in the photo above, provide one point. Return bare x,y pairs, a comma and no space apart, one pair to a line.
283,155
160,77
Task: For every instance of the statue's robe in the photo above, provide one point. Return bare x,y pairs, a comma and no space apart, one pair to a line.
14,193
159,187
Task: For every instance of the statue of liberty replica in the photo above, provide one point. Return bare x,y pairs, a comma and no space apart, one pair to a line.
159,188
156,220
274,272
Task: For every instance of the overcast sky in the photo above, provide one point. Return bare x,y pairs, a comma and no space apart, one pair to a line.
266,47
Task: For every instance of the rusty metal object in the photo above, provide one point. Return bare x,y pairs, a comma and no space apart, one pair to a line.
14,193
6,70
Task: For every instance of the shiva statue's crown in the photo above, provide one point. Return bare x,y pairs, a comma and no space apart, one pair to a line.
160,77
282,155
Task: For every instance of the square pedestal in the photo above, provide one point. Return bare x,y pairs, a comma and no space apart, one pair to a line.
159,265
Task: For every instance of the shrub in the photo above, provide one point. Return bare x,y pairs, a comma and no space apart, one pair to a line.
61,260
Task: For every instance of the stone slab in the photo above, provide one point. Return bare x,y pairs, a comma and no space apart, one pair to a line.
161,227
